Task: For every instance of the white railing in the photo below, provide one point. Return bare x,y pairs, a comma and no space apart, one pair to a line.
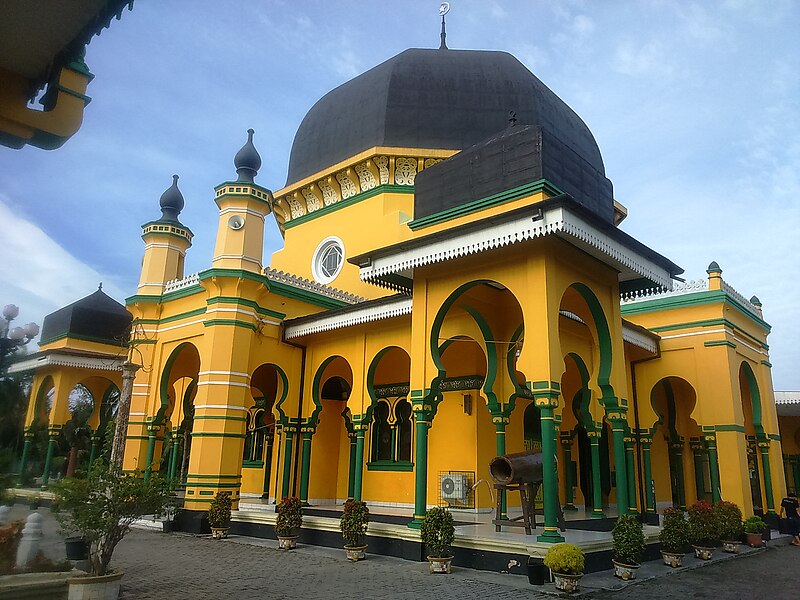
678,289
179,284
312,286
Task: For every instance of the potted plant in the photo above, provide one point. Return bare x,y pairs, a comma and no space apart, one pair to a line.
753,529
353,524
437,534
731,528
219,515
102,508
290,519
566,562
674,537
629,546
703,529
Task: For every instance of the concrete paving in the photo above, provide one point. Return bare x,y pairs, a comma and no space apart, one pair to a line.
178,566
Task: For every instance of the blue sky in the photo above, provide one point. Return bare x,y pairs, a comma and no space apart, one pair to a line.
695,106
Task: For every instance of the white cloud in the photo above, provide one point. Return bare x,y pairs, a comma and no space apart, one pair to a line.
39,275
648,59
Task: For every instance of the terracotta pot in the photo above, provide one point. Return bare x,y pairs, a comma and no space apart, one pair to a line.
567,583
625,572
287,542
672,559
731,546
755,540
703,552
355,553
92,587
219,533
440,564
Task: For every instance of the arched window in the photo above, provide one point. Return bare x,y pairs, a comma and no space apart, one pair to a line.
402,411
382,434
391,436
253,452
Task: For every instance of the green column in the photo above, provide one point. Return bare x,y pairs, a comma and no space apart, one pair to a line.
422,422
677,453
151,448
287,460
630,468
763,447
305,464
713,467
93,449
173,461
351,476
51,446
697,454
797,474
500,442
618,424
24,460
649,496
566,443
546,402
359,464
597,490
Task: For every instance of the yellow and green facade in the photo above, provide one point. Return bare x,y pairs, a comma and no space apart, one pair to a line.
391,344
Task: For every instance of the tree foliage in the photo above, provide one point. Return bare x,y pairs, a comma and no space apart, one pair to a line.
103,506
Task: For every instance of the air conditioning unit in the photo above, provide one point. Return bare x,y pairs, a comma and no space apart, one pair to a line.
453,486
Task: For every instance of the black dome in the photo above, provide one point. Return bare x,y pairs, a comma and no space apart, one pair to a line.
449,99
97,317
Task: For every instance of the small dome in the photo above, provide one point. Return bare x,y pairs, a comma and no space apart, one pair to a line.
171,202
247,160
713,268
755,301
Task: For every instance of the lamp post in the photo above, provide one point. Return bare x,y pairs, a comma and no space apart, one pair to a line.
13,338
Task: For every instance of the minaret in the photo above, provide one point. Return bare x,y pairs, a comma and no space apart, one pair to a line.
166,242
243,206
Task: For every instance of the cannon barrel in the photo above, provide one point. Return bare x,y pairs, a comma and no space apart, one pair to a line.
510,469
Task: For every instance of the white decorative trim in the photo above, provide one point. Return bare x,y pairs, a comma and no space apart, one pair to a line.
232,373
401,306
248,211
729,289
221,406
227,383
67,360
140,393
171,327
693,333
787,397
312,286
137,414
250,259
554,221
158,284
240,311
181,251
639,339
179,284
678,289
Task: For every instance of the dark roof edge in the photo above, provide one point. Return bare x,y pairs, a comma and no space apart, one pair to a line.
335,312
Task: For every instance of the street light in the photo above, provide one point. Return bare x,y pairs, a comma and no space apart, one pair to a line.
13,338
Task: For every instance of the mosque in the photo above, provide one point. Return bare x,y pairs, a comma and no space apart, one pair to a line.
454,285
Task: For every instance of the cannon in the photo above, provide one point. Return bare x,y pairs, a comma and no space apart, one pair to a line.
522,472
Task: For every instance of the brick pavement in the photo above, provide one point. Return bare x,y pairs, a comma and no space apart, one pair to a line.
179,566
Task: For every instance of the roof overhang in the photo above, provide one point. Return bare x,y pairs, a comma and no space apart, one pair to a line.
787,404
66,358
560,216
365,312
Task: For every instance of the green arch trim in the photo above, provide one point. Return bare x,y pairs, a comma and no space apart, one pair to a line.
282,418
41,394
491,358
519,390
582,414
316,388
373,366
604,340
165,374
755,397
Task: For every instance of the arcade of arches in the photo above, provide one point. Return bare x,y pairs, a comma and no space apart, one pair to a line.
463,311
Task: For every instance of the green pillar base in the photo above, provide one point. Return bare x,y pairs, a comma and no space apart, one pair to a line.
597,514
416,523
550,537
304,503
569,507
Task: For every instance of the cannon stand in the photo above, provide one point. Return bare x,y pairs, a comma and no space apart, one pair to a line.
527,493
